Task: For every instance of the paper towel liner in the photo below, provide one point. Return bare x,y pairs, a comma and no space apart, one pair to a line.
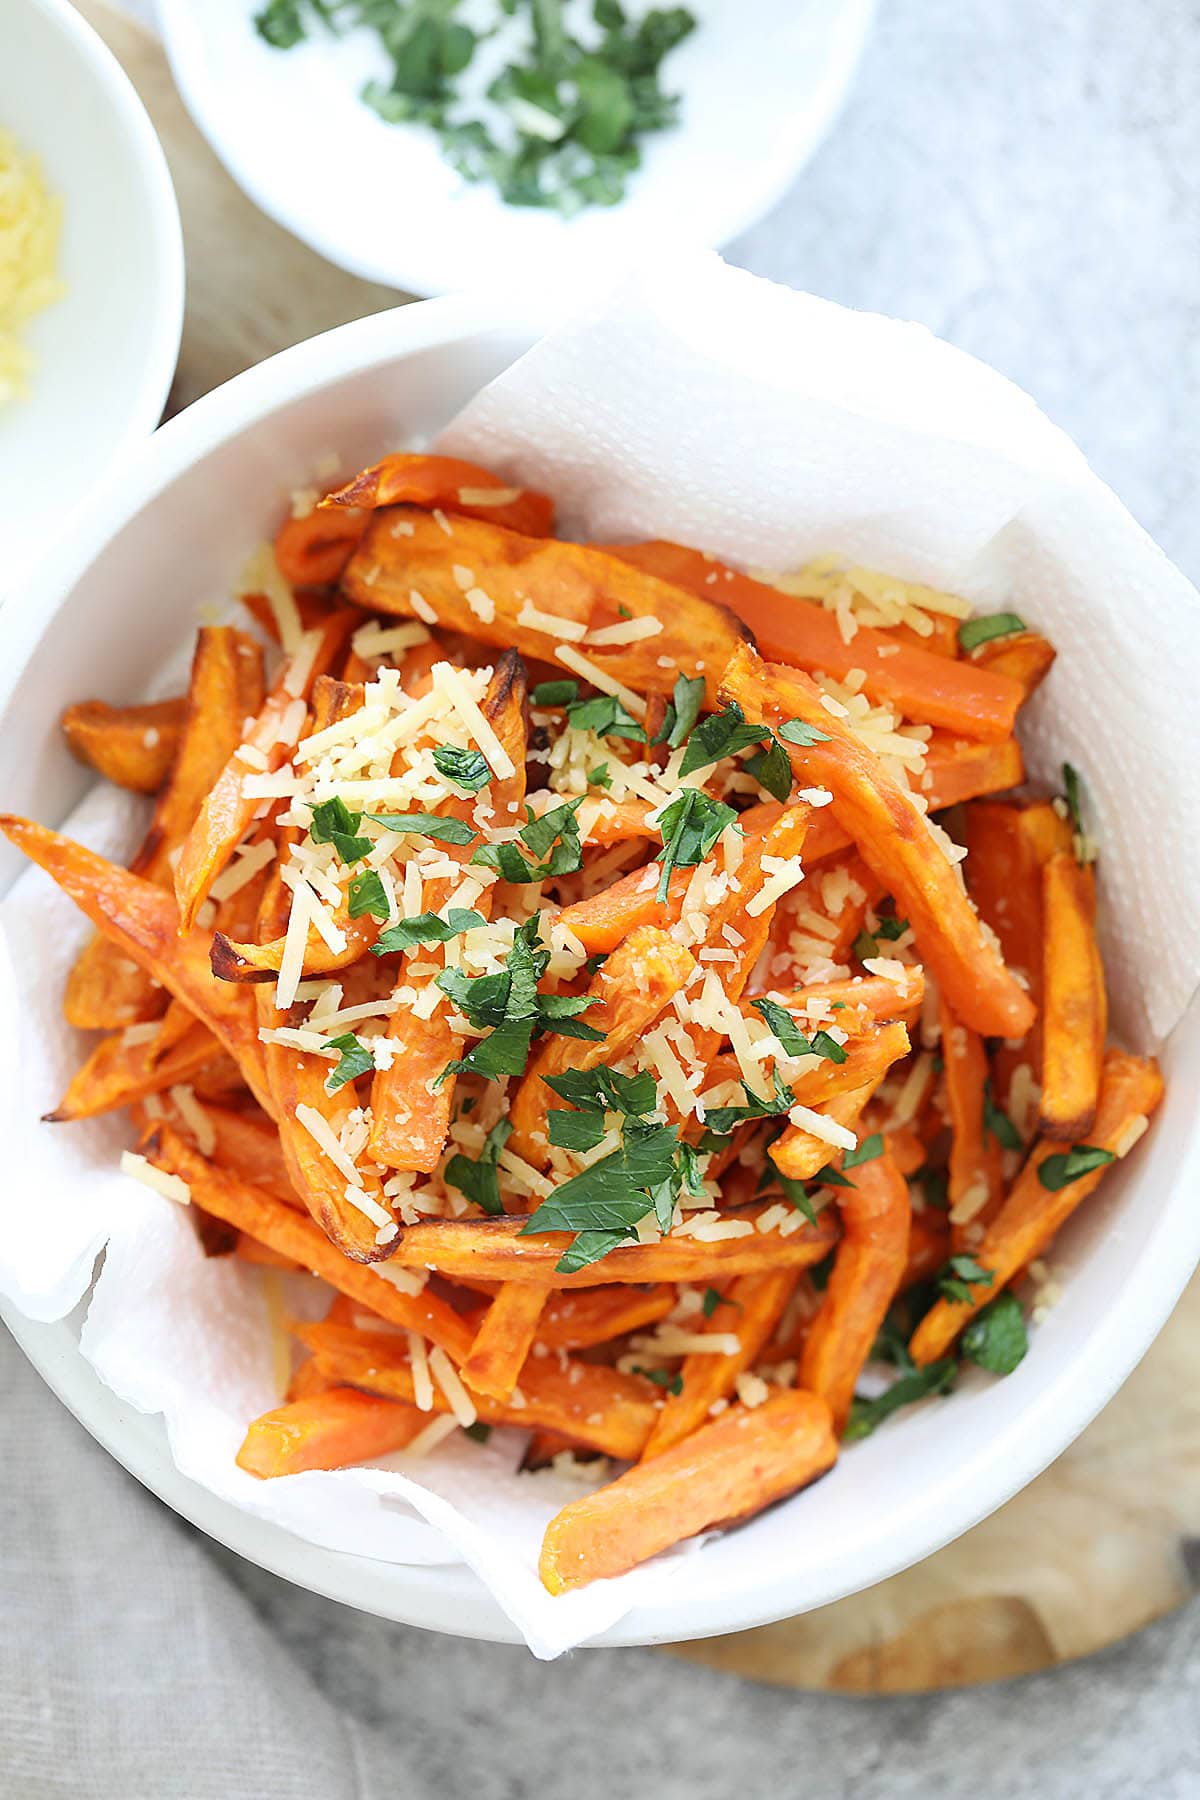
696,402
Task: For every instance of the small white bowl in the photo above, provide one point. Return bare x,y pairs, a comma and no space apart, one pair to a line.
761,83
105,611
106,350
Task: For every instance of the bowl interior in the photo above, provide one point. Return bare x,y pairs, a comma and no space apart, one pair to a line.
106,350
204,492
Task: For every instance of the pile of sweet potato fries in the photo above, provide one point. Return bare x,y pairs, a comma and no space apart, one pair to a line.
557,955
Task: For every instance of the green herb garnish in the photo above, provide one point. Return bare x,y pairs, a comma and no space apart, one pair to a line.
1060,1170
973,632
606,716
334,823
772,770
998,1122
866,1415
802,734
867,1151
690,826
467,769
554,693
996,1338
447,830
960,1275
354,1059
686,700
425,928
662,1378
556,831
477,1177
365,895
719,735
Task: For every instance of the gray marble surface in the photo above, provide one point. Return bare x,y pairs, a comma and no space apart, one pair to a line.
1024,178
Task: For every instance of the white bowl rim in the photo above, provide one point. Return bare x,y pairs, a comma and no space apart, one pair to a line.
410,271
447,1597
161,348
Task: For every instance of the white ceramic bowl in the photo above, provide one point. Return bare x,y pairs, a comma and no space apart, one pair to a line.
762,83
214,478
106,351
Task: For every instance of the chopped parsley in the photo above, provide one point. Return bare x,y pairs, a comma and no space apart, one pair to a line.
973,632
606,716
425,928
555,832
354,1059
334,823
365,895
477,1177
721,1120
1080,843
575,1130
690,826
802,734
604,1204
1064,1167
684,709
554,693
959,1276
998,1122
719,735
793,1041
467,769
772,770
866,1415
447,830
599,776
712,1299
605,1090
479,1433
662,1378
509,1007
996,1338
867,1151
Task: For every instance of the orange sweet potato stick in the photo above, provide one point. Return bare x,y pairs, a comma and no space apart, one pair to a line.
976,1185
327,1430
749,1311
1130,1089
1026,658
955,770
227,810
143,921
723,1473
504,1339
868,1269
410,1117
118,1073
576,1321
409,479
313,551
131,746
105,989
894,840
633,986
287,1231
580,592
585,1401
1075,1006
932,690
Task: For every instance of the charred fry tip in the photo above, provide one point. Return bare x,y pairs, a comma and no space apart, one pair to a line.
509,679
227,965
56,1118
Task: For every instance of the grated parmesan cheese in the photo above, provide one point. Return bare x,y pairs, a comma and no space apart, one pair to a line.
160,1181
446,1376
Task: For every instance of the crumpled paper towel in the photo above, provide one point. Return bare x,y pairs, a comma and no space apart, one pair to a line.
697,402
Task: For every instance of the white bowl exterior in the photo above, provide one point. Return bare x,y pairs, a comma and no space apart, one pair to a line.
104,615
289,126
106,351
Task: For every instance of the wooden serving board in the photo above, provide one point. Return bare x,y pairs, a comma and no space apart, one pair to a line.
1098,1546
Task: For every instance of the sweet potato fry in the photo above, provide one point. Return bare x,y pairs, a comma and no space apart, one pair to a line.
410,1120
313,551
895,841
576,1321
976,1182
1130,1089
328,1431
638,980
861,1001
1075,1006
407,479
749,1311
928,1246
117,1073
504,1339
526,578
1026,658
868,1268
143,922
723,1473
800,1154
247,1145
588,1402
955,770
932,690
227,810
287,1231
869,1056
105,989
131,746
494,1250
